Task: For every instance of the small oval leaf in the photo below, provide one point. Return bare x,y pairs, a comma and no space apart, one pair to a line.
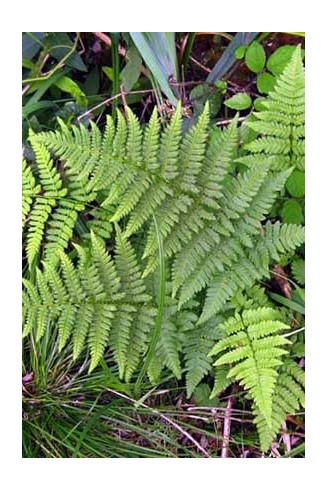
255,57
239,102
265,83
296,184
279,59
291,212
240,52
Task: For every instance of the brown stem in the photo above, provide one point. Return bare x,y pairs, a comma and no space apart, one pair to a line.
227,425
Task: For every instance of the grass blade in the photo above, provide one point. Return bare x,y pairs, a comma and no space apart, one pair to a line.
158,52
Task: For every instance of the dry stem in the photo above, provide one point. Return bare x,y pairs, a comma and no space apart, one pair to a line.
167,419
227,426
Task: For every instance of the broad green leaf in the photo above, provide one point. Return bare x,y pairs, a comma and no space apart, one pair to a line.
221,85
109,72
279,59
44,85
37,106
32,43
258,104
255,57
28,64
200,94
59,45
66,84
291,212
265,83
239,102
296,184
158,52
131,71
91,84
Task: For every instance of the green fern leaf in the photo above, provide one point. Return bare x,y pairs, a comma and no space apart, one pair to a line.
288,398
197,345
30,190
221,380
281,123
252,346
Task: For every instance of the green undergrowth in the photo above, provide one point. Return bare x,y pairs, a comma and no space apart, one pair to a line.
163,278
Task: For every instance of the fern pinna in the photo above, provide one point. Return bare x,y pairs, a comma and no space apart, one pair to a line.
92,247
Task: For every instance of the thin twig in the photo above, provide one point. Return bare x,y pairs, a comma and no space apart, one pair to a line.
164,417
227,426
294,332
228,121
200,65
215,409
107,101
25,89
286,438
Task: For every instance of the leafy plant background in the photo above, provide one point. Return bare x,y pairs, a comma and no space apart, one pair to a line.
80,78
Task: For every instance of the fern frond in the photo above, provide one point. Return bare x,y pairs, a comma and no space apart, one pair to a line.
182,217
98,300
288,398
60,228
281,123
218,259
140,335
252,346
130,334
169,346
199,341
192,152
298,269
53,212
174,329
216,240
251,266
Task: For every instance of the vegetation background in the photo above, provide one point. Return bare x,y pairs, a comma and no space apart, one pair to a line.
299,476
141,70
